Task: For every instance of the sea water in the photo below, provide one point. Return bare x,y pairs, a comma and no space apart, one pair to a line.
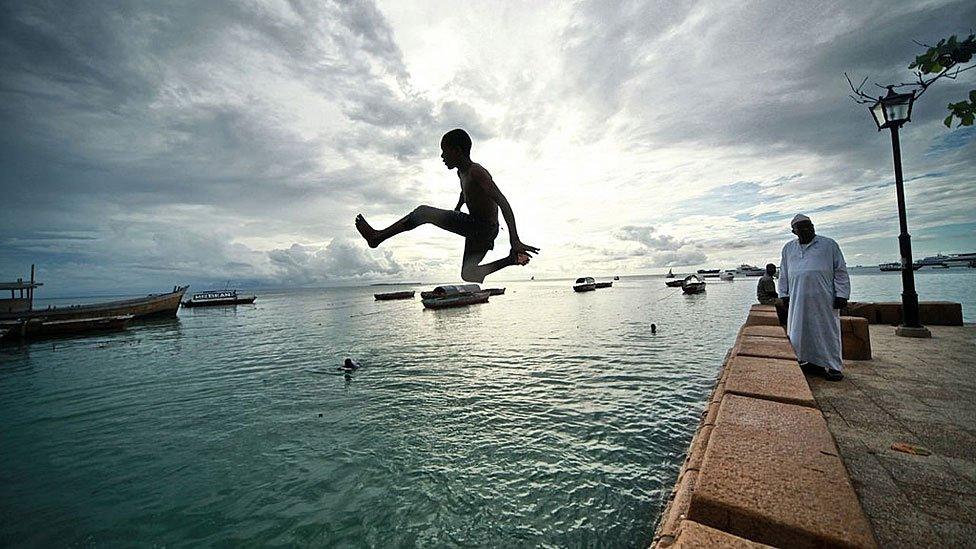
544,417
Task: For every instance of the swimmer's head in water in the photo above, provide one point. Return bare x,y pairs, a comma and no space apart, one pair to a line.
455,147
349,363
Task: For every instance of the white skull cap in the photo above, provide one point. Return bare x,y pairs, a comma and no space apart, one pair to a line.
798,218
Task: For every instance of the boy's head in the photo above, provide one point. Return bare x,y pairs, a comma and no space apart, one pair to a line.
770,269
455,146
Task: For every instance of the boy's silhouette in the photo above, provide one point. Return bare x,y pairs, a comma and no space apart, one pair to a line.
479,227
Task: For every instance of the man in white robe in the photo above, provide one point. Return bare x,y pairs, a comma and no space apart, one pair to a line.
814,285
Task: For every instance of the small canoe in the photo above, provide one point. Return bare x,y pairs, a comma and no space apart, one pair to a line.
604,285
39,328
394,295
674,283
584,284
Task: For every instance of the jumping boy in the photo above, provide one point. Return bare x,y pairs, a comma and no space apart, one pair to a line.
479,227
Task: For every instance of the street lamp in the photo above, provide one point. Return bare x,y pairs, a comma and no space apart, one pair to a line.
891,112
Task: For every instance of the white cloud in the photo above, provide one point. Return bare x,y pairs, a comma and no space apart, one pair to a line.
233,140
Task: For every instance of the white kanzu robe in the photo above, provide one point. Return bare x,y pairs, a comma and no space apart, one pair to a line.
811,276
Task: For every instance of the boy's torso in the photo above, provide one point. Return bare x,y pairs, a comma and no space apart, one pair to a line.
480,205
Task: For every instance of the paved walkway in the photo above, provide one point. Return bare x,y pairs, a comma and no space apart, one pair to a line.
921,392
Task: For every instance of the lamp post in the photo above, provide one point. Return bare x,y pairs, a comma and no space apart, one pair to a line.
892,111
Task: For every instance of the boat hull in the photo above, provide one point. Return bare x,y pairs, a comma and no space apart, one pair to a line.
674,283
604,284
693,289
43,328
220,302
151,306
584,287
462,300
394,295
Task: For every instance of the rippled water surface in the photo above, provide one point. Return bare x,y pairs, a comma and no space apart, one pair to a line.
542,418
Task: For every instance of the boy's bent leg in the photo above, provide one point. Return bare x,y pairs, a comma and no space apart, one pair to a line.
445,219
471,271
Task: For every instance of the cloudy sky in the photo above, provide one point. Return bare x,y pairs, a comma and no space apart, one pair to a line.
148,144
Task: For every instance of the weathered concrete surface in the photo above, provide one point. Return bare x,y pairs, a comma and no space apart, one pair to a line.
770,379
771,474
855,338
921,392
766,347
764,331
762,318
692,535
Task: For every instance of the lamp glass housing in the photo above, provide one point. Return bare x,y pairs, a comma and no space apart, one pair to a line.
893,110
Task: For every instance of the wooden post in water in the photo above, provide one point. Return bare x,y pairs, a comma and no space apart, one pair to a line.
30,291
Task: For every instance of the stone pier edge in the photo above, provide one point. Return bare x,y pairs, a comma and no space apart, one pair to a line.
767,374
767,343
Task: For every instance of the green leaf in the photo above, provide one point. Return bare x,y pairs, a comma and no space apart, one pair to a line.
948,121
967,120
972,96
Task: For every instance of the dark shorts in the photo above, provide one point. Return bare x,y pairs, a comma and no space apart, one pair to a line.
479,236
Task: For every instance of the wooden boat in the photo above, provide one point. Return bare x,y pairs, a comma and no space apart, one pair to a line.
495,291
450,289
674,283
693,285
40,327
151,306
604,285
214,298
458,295
394,295
584,284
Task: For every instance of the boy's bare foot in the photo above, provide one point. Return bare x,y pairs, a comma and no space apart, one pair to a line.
368,232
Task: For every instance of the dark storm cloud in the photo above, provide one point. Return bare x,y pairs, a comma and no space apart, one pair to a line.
118,111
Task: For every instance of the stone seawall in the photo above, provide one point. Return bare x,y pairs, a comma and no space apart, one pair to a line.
762,469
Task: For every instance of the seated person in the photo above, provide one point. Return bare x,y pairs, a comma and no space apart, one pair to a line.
766,290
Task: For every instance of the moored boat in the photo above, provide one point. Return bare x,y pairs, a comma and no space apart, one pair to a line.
749,270
584,284
727,275
459,295
670,274
151,306
674,283
693,285
214,298
40,327
615,277
394,295
495,291
604,285
708,273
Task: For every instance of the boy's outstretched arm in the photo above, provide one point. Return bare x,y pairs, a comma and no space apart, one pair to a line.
492,190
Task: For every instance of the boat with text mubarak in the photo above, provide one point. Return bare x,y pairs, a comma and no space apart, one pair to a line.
216,298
